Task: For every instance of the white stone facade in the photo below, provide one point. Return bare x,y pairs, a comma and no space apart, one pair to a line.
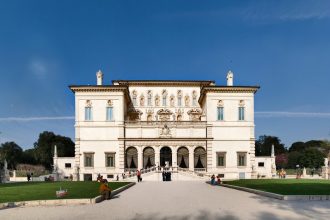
195,125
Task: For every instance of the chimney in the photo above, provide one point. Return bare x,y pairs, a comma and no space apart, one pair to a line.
230,78
99,78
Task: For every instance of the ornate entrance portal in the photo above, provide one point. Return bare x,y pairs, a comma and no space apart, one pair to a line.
148,157
183,157
200,158
131,158
165,156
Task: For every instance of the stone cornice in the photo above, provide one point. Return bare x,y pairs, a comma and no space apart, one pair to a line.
103,88
162,83
93,88
226,89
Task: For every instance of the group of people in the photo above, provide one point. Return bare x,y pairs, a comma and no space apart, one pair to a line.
215,182
282,174
166,176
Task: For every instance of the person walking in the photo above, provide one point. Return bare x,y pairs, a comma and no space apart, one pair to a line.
138,175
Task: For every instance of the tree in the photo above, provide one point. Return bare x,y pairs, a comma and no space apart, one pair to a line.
297,146
281,161
294,159
312,158
29,157
12,153
264,146
44,147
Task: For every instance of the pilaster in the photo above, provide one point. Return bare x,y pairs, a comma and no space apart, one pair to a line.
191,157
174,156
140,157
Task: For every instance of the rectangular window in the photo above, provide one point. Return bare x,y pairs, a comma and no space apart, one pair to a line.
221,159
241,159
110,159
220,113
88,113
241,113
179,101
261,164
67,165
149,101
109,113
134,101
89,160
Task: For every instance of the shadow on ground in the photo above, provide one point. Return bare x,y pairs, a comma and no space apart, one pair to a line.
202,215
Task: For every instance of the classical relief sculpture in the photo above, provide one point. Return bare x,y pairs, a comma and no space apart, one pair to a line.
110,103
164,114
172,101
142,100
88,103
157,100
186,100
195,114
165,132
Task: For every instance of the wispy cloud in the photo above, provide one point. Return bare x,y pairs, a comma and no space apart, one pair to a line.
271,114
27,119
38,68
288,11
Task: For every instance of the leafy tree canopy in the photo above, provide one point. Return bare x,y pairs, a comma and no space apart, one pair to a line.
264,146
44,148
312,158
12,153
321,145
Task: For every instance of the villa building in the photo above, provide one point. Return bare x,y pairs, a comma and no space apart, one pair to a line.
193,125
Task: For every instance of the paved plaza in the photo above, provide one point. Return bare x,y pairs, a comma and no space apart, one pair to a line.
183,200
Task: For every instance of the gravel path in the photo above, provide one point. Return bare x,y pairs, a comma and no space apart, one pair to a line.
179,200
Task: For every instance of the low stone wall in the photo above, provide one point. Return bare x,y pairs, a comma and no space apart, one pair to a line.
57,202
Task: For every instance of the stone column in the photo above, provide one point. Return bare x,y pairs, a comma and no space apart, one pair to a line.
191,157
140,157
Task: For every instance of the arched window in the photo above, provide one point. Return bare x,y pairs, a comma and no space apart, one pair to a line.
149,98
179,98
164,97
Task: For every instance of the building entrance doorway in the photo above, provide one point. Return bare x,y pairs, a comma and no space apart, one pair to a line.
165,156
148,157
183,157
131,158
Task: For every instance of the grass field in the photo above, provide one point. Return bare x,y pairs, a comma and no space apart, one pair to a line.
286,186
13,192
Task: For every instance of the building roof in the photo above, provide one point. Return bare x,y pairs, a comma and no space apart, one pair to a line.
164,82
227,89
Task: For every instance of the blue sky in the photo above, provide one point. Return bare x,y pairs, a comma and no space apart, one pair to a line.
283,46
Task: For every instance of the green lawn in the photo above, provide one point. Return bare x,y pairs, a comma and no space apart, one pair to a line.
286,186
13,192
